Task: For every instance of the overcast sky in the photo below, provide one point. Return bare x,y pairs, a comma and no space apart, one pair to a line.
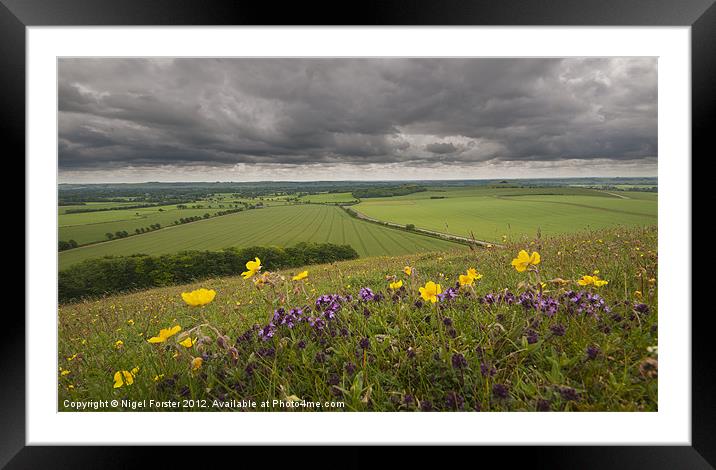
132,120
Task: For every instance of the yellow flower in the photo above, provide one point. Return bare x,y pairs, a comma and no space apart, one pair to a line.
523,260
466,280
408,270
252,268
165,334
64,372
592,280
158,377
72,357
118,344
196,363
396,285
638,294
199,297
123,377
130,322
430,291
188,342
300,276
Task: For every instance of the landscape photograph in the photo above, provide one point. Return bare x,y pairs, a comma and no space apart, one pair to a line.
393,234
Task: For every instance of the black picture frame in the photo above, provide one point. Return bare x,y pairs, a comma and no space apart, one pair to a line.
700,15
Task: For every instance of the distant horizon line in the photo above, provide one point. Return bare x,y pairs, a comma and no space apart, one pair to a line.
371,181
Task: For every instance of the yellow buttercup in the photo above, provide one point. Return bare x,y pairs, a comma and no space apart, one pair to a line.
252,267
300,276
165,334
524,260
430,291
199,297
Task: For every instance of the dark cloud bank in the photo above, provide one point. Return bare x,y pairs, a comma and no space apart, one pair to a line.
237,119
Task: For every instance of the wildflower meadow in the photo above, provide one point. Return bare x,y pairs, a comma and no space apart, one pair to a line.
558,324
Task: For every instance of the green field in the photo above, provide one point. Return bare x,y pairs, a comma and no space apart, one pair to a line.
88,227
95,206
491,213
329,198
281,225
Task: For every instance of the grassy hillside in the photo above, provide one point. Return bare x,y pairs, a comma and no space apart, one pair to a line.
280,225
492,213
568,347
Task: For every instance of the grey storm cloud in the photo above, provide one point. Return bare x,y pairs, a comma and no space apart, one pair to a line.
118,113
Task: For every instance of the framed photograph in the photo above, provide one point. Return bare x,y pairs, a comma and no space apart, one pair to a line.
464,223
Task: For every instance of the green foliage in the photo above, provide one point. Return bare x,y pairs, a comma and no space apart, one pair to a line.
63,245
113,274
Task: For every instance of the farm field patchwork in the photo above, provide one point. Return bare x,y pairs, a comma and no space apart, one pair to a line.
281,226
491,213
88,227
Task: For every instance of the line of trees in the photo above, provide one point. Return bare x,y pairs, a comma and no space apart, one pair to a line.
67,245
113,274
137,231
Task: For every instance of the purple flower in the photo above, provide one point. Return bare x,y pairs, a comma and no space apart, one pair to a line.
487,370
426,405
557,330
364,343
449,294
459,361
301,344
455,401
592,351
641,308
266,352
366,294
350,368
267,332
532,337
447,321
500,390
543,405
568,393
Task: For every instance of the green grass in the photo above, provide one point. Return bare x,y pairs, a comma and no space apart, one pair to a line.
280,225
493,213
409,360
332,198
